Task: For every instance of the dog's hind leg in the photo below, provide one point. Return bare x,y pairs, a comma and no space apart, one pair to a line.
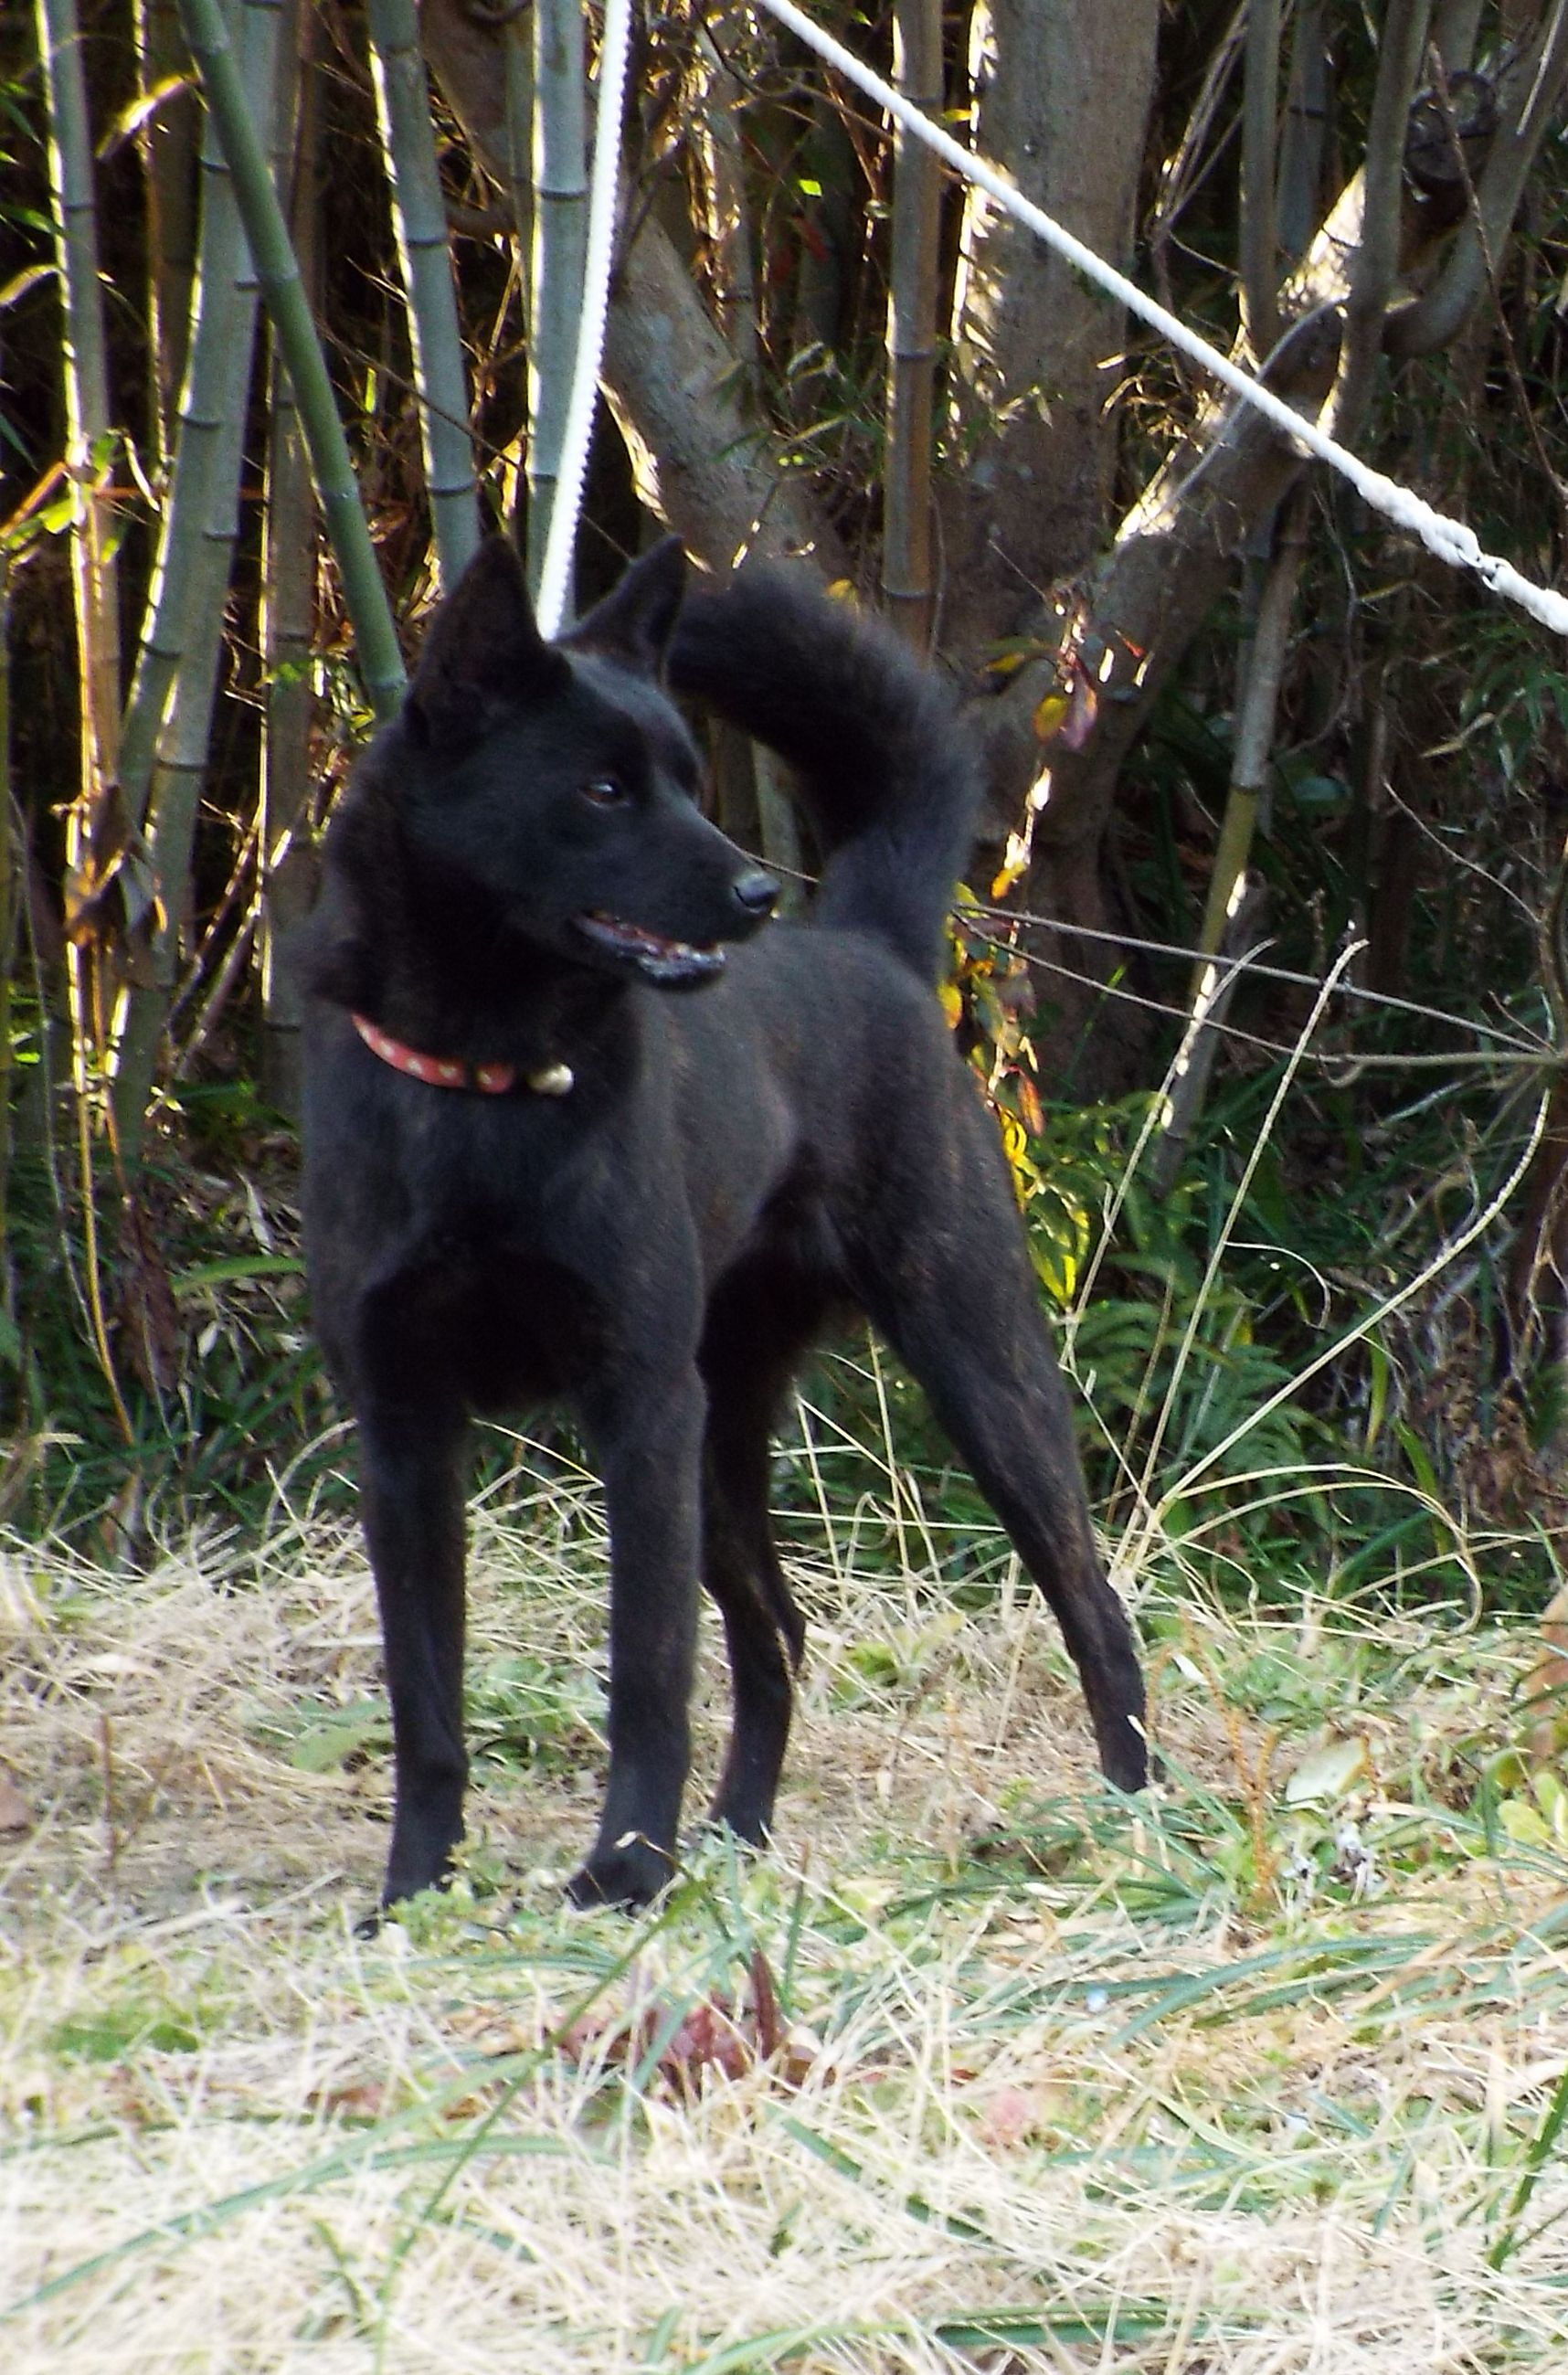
763,1629
758,1326
959,1309
411,1490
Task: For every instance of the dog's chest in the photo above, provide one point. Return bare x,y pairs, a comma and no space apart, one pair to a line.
503,1324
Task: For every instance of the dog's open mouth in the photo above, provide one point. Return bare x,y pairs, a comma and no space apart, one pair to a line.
660,959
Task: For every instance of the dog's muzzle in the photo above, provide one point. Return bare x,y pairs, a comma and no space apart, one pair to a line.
652,953
662,958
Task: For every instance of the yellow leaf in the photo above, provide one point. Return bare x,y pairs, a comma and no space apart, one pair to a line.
1015,862
1049,713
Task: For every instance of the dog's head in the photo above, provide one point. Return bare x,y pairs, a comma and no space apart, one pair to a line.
560,780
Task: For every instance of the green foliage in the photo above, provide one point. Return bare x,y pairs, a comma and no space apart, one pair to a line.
120,2032
205,1294
1158,1340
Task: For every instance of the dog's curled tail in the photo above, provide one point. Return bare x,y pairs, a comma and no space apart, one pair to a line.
885,771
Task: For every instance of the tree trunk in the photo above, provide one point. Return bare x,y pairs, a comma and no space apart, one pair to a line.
1061,101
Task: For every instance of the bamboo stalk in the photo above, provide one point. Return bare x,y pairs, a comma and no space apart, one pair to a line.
908,588
223,303
285,862
1375,264
180,759
1256,709
512,158
1260,243
1298,203
167,142
89,428
89,445
560,248
332,467
403,103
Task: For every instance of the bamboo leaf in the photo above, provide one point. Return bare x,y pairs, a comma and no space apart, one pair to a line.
141,113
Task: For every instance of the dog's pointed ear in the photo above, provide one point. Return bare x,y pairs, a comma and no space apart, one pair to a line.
483,652
635,623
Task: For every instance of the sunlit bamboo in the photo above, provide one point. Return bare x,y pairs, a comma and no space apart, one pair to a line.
88,434
287,621
560,231
332,467
403,101
223,303
211,499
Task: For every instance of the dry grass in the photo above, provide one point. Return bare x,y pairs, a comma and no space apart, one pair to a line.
1236,2085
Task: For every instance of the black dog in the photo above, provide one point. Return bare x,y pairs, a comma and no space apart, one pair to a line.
533,1171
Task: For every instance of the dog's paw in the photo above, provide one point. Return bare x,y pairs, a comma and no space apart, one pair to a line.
630,1875
747,1826
1124,1759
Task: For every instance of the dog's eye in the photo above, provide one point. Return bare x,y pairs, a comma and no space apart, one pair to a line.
605,791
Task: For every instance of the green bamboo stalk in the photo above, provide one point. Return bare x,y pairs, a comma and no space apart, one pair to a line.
224,309
559,246
88,431
1374,267
180,759
1298,206
89,444
1260,178
288,607
167,142
514,157
331,465
908,590
403,103
1262,668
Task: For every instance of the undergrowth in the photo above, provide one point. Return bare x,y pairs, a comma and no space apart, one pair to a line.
1288,1381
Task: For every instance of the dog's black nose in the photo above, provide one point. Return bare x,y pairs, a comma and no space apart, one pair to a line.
757,892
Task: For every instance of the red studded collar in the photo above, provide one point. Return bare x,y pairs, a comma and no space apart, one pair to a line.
453,1072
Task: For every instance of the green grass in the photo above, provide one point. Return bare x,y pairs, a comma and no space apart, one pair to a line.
1267,2074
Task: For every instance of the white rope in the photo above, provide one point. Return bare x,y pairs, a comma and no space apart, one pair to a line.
614,50
1450,539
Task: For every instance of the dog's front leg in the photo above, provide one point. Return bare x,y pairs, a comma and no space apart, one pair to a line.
648,1444
411,1507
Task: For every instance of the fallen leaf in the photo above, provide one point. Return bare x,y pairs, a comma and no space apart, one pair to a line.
1008,2118
1328,1773
711,2034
